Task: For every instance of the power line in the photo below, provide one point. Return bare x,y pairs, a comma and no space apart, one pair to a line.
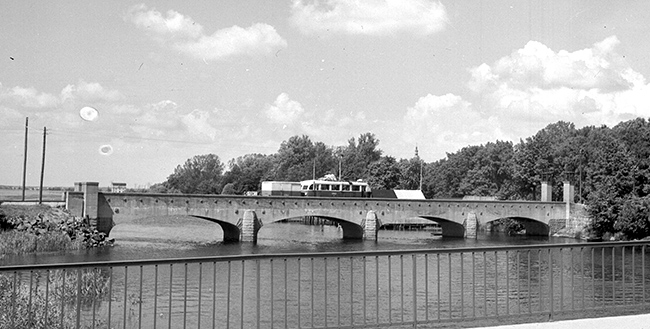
62,132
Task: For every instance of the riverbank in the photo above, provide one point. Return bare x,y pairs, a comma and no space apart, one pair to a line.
42,228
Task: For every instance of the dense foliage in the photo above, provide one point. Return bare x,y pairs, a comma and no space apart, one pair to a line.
610,168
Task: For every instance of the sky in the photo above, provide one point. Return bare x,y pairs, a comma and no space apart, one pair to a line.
168,80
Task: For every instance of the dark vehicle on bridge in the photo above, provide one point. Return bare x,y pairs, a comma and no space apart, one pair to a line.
325,188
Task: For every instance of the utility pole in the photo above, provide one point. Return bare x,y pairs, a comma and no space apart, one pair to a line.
40,193
25,156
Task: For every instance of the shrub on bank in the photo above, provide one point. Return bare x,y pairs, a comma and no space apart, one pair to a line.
36,228
20,242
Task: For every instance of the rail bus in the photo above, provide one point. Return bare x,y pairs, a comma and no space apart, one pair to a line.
329,188
325,188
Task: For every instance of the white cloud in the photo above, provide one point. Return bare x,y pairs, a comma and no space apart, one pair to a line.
160,119
174,25
258,39
187,36
444,120
197,122
369,17
288,117
599,67
166,105
525,91
590,86
29,97
82,92
10,117
165,120
284,110
89,92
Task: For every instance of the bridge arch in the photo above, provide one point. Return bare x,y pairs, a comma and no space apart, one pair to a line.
350,229
231,232
450,228
531,225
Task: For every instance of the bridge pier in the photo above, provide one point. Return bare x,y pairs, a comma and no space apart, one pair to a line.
371,226
249,226
471,226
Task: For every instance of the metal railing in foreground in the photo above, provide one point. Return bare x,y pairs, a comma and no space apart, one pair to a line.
331,290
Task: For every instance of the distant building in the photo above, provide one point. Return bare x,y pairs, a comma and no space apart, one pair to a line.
118,187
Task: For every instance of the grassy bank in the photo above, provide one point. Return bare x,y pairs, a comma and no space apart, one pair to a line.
30,194
41,228
14,242
47,298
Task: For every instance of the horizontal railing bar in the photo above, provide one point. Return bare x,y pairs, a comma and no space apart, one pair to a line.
227,258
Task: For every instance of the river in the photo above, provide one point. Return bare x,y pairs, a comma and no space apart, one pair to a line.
519,272
190,237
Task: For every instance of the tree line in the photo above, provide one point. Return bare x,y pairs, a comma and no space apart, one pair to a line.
610,168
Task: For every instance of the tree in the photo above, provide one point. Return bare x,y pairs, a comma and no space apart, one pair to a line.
492,171
162,188
247,172
410,173
300,159
358,155
453,171
324,161
228,189
384,174
199,175
295,159
610,180
552,151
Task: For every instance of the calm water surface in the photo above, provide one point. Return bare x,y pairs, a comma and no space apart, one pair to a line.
183,295
182,238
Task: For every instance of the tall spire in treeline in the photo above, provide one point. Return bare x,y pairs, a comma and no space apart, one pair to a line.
416,151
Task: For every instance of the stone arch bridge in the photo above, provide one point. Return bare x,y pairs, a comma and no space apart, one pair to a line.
241,217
